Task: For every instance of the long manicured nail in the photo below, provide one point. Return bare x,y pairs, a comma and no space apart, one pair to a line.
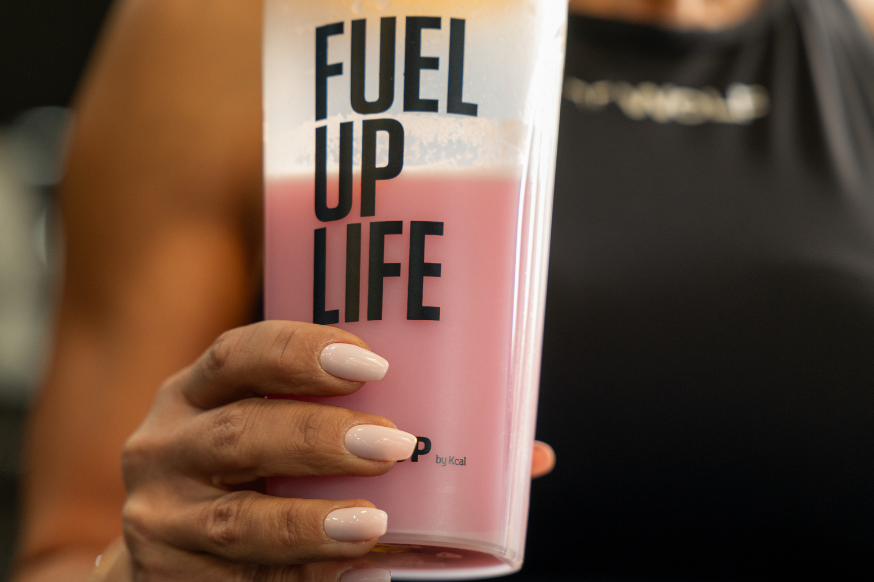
353,363
353,524
380,443
366,575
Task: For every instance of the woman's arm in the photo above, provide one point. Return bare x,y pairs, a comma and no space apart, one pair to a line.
161,206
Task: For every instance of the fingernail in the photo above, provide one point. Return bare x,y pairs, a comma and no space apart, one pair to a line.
366,575
353,363
356,523
379,443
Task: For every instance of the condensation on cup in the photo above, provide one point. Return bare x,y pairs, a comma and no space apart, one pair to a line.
409,159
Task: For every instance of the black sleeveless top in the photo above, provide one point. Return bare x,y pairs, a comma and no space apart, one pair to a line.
708,369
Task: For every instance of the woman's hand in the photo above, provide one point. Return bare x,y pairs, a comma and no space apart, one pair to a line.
191,513
192,468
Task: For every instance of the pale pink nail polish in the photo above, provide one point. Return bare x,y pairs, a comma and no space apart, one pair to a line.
366,575
351,362
356,524
379,443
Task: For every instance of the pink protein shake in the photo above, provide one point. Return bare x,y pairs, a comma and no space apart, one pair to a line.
448,377
407,201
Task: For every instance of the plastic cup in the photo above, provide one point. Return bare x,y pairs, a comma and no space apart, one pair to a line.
409,162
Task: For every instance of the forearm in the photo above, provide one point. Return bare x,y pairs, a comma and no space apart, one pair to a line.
79,565
71,486
162,240
67,565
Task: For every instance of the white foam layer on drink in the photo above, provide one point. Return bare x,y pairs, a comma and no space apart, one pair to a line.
432,142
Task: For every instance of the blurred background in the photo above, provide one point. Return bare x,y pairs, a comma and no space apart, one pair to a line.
44,46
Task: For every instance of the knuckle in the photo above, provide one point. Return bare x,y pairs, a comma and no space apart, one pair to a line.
134,454
138,454
224,525
288,348
273,574
169,385
296,525
148,448
314,426
228,427
137,517
310,432
219,353
226,436
241,572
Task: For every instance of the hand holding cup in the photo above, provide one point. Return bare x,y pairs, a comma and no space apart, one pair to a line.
193,510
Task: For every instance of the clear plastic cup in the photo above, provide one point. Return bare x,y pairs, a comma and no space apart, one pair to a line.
409,162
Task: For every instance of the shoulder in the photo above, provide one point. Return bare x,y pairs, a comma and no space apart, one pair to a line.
171,103
865,10
167,138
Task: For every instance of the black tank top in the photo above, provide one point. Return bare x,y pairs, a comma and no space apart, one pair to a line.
708,368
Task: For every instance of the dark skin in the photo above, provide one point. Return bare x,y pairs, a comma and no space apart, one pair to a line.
162,211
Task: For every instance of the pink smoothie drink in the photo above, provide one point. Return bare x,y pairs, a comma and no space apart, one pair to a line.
409,151
448,378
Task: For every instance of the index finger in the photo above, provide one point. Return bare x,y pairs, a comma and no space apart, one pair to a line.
281,357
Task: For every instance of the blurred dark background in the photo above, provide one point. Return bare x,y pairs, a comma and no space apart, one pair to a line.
45,44
44,47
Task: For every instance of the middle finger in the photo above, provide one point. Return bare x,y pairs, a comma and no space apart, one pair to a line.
254,438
